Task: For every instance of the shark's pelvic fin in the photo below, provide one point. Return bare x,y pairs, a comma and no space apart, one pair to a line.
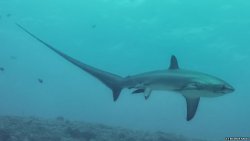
173,63
138,91
192,105
114,82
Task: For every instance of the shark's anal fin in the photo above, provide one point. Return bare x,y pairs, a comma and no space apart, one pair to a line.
173,63
192,105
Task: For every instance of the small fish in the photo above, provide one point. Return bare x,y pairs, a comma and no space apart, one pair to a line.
40,80
13,57
8,15
2,69
93,26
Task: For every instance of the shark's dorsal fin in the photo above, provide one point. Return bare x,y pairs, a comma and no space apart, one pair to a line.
192,105
173,63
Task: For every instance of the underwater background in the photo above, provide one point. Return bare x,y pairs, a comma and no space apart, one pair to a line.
126,37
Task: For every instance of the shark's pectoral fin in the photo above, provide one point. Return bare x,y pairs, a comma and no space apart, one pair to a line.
147,93
192,105
138,91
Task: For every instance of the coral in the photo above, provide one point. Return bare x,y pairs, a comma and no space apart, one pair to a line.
76,133
44,138
59,129
4,135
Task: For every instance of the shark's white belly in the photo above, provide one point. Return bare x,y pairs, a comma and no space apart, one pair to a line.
163,87
198,93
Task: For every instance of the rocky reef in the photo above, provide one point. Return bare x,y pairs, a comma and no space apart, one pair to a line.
14,128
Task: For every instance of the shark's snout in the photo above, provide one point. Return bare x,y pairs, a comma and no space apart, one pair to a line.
224,89
229,89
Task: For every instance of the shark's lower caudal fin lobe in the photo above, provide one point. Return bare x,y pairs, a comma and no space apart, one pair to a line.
114,82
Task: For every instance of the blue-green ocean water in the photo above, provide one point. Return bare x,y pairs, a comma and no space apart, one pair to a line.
126,37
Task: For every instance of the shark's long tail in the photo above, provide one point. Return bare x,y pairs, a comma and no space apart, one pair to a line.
114,82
